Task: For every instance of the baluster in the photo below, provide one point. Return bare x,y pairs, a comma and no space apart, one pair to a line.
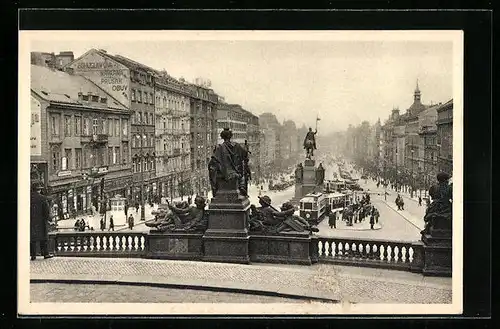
367,251
400,254
347,249
120,243
335,249
113,242
132,245
385,254
361,251
71,245
340,250
329,252
143,242
101,243
95,243
410,254
354,250
106,243
406,255
378,252
393,254
323,248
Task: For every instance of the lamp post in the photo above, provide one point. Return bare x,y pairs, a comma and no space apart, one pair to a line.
142,139
412,179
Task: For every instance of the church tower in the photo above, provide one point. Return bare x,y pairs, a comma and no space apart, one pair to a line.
416,94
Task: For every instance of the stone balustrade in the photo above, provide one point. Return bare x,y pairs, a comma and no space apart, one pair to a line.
398,255
99,244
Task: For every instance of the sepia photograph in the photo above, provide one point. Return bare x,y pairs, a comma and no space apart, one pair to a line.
240,172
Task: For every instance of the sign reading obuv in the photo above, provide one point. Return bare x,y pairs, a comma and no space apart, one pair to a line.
36,128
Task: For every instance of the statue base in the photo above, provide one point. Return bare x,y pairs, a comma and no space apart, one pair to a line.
175,245
308,184
283,248
226,238
438,252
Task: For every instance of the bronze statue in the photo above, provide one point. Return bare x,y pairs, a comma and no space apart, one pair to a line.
267,219
229,162
441,205
181,217
310,143
299,173
320,174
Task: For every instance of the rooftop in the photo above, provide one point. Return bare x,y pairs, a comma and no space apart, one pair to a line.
61,87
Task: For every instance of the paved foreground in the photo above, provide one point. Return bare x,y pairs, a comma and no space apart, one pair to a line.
113,293
321,281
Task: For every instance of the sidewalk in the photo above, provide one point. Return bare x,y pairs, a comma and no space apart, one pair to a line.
321,281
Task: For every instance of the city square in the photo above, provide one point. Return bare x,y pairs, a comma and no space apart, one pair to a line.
150,185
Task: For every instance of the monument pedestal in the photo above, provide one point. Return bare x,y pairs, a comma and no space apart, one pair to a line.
226,238
438,251
308,184
285,248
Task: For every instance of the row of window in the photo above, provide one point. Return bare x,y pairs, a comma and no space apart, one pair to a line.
77,125
232,125
140,96
143,118
144,165
78,158
143,141
177,103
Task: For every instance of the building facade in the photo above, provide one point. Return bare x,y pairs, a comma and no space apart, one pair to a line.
173,136
52,60
203,116
132,84
444,127
78,131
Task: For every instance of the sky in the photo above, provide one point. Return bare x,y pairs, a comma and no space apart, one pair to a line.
343,82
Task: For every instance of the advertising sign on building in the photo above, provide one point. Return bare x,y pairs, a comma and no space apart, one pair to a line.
108,74
36,128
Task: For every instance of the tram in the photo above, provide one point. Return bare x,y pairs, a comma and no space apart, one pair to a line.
312,207
337,201
335,185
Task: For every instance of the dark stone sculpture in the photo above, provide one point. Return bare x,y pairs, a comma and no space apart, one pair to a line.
181,217
299,173
268,220
439,213
320,174
229,163
310,143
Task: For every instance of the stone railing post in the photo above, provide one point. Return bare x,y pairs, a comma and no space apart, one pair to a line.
417,264
313,248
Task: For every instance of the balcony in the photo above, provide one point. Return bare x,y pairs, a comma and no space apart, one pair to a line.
94,139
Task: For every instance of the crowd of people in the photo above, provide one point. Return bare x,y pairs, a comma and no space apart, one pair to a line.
356,213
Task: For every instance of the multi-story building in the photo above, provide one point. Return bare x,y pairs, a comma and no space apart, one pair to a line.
52,60
203,115
78,130
271,127
173,136
267,150
132,84
411,131
253,142
234,117
444,126
428,150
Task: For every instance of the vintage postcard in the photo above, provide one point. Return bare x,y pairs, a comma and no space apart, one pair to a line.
240,172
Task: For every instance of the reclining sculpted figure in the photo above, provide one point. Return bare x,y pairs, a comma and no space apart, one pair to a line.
181,217
267,219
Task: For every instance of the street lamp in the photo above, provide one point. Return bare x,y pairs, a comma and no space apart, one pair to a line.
412,179
142,162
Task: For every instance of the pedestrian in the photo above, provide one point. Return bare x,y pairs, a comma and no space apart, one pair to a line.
111,223
39,221
377,215
420,201
189,200
372,220
332,218
130,222
126,208
102,224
